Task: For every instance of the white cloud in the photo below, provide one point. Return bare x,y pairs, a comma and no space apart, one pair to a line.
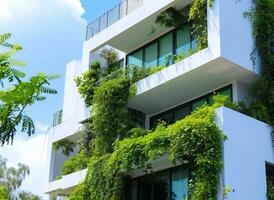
51,33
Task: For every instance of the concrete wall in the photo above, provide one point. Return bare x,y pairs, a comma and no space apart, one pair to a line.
237,42
73,105
245,153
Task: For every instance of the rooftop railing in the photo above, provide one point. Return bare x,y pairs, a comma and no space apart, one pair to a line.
112,16
57,118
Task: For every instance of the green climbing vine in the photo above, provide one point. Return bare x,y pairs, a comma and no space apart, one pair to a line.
195,139
262,92
195,14
117,148
67,146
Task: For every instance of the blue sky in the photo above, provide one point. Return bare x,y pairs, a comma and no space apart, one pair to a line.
51,33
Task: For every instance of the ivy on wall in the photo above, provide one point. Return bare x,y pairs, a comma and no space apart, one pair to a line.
117,146
196,139
196,14
117,149
262,92
67,146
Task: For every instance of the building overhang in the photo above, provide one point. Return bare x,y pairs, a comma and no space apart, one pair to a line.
186,80
65,185
136,29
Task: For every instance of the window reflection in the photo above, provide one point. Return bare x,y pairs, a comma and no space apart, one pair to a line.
171,184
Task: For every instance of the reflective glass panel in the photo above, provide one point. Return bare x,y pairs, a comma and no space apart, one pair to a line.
165,48
181,113
136,58
183,40
179,184
198,103
151,55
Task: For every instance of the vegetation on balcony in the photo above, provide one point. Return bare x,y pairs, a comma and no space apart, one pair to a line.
262,92
196,14
196,139
114,148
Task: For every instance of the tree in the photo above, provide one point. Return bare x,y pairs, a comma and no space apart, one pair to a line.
11,179
3,195
18,93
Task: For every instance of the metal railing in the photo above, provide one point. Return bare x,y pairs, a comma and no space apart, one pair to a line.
112,16
57,118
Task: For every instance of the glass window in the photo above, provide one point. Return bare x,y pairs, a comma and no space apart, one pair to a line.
183,40
181,113
113,15
171,184
226,92
144,189
103,22
154,187
168,118
210,99
165,48
161,186
179,184
198,103
151,55
134,190
136,58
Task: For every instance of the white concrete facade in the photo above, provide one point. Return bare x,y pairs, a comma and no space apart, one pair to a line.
226,61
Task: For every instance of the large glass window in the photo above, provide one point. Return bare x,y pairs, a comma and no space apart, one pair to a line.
151,55
156,53
183,110
179,184
136,58
183,40
165,48
171,184
198,103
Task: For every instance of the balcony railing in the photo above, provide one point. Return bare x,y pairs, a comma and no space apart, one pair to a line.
112,16
57,118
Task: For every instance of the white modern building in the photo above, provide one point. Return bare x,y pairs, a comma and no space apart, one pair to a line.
224,67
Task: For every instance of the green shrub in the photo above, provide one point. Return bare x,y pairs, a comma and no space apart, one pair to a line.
74,164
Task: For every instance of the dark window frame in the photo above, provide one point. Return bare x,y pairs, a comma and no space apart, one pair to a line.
157,40
190,104
169,172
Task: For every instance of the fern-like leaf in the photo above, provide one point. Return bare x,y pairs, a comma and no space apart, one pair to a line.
47,90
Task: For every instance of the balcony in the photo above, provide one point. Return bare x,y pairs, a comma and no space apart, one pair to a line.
65,185
245,135
112,16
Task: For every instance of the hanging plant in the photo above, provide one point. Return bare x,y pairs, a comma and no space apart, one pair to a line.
172,18
67,146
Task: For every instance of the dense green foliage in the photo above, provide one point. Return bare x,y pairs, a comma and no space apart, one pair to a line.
270,189
172,18
111,58
262,92
67,146
75,163
198,18
16,93
110,113
196,15
195,139
11,179
86,82
3,195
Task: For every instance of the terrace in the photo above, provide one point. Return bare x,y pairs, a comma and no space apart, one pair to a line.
112,16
